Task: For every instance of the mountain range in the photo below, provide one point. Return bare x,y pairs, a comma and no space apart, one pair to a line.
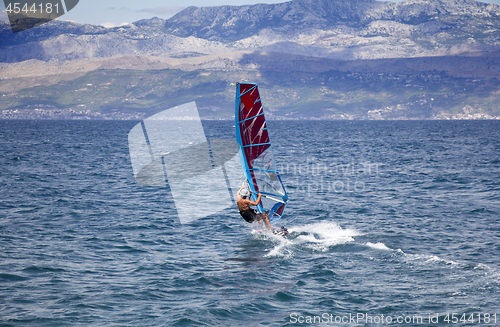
416,59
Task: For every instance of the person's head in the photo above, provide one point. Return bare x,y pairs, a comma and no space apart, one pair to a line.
245,193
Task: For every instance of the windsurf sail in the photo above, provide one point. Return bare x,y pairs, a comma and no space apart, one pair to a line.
256,152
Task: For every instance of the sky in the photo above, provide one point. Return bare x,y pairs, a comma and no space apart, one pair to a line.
111,13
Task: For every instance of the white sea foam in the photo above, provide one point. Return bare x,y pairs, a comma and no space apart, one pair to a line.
378,246
318,237
428,258
282,249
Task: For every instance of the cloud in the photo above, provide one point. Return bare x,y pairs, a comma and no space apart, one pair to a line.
3,16
121,8
157,11
163,11
110,25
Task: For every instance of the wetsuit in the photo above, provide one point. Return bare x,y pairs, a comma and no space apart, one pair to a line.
249,215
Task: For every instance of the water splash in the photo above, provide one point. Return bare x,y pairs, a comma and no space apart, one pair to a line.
319,237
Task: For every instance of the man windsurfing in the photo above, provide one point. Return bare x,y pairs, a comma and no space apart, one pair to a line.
248,213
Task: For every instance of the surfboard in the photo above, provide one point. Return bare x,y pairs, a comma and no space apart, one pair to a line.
282,231
256,153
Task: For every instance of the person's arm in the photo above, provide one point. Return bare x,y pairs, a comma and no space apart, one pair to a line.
238,196
256,202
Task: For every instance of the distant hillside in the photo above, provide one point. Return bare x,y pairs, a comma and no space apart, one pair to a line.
231,23
322,58
347,30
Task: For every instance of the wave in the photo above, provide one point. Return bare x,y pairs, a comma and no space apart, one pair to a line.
378,246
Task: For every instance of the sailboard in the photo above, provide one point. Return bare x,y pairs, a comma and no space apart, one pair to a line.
256,152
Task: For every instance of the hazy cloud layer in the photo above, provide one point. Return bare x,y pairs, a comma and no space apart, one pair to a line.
159,11
164,11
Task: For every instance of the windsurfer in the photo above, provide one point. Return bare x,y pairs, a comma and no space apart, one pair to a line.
248,213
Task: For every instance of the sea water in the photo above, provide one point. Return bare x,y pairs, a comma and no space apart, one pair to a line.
392,223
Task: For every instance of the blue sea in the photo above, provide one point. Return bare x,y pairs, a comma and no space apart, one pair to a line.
392,223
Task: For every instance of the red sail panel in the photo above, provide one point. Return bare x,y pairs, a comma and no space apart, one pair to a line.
252,106
253,128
